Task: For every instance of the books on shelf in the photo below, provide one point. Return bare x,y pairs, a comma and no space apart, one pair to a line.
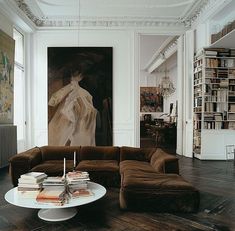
210,53
232,107
231,125
231,116
212,63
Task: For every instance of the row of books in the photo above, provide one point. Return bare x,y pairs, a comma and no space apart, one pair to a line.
215,107
211,63
220,52
213,125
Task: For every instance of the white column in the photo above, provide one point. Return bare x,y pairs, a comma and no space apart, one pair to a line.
188,94
180,90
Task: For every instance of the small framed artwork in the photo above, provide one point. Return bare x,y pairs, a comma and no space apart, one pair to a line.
151,99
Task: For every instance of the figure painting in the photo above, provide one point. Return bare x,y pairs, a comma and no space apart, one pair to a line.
150,99
7,51
80,96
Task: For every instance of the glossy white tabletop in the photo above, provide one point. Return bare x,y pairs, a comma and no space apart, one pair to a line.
13,197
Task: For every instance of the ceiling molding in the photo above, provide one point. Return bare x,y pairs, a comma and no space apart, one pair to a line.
11,10
210,10
110,22
167,49
184,21
25,8
192,14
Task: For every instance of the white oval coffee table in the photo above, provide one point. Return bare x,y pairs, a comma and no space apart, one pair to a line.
50,212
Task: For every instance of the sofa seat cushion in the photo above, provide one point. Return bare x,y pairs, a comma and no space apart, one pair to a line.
155,181
136,166
98,165
53,167
157,192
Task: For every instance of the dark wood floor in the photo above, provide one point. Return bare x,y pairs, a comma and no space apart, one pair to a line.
214,179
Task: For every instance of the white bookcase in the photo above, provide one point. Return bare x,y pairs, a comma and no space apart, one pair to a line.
214,102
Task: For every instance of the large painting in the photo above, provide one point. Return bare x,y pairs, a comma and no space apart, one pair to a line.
80,96
7,51
151,99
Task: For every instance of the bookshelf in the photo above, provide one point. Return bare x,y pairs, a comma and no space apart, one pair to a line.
214,102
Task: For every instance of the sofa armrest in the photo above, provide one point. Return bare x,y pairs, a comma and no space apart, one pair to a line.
22,163
164,162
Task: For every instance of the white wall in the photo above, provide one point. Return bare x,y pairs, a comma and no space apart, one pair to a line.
123,79
6,25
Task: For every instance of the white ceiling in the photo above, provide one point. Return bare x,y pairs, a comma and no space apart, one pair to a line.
57,12
57,9
149,44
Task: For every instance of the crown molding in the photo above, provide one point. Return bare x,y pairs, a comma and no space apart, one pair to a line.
202,11
135,22
25,8
168,48
210,10
193,13
190,16
11,10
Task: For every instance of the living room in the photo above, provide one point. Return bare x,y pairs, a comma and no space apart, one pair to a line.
179,31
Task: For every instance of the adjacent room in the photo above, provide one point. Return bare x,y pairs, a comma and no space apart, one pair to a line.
117,115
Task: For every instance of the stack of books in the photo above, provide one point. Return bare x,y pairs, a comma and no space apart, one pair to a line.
53,181
78,184
30,184
52,194
210,53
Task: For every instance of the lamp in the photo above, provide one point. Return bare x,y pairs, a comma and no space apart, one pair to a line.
166,86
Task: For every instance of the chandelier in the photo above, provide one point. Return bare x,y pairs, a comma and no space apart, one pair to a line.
166,86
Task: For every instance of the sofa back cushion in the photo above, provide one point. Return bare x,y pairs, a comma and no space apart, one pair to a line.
59,152
99,153
140,154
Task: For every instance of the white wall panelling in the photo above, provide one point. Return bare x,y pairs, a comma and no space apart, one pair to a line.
188,94
180,99
6,25
123,79
214,143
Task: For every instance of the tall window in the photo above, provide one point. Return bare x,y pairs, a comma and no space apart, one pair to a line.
19,89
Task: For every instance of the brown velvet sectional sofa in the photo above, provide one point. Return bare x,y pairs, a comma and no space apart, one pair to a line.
148,178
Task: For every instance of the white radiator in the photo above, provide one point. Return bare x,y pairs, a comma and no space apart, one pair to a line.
8,143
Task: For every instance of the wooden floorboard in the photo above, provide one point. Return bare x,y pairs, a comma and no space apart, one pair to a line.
214,179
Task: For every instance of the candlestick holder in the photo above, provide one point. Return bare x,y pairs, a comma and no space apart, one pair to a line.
67,193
